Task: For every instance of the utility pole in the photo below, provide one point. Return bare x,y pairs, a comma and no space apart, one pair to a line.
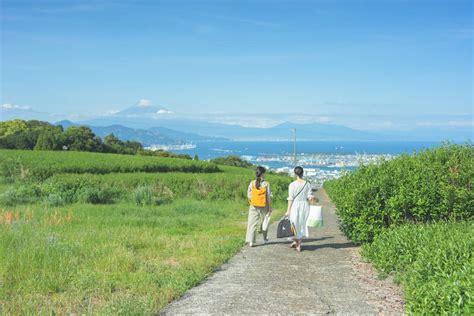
294,143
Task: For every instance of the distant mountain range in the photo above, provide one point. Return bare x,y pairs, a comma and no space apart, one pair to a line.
148,137
151,117
152,125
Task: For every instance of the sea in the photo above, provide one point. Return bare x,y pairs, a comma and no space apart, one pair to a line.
254,151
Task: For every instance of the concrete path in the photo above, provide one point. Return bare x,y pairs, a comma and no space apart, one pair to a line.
274,279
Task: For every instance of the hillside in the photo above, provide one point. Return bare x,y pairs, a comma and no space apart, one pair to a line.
111,234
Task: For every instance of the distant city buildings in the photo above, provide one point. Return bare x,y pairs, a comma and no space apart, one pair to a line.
318,167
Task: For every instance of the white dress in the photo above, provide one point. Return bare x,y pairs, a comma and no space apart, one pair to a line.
300,209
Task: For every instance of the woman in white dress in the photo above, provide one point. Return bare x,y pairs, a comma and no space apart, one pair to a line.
299,195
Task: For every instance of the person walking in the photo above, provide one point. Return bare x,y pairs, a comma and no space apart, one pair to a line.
299,196
260,199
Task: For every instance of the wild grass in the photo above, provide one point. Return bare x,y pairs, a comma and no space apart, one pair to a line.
120,259
88,233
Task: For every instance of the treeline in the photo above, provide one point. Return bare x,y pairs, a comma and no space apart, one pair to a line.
39,135
234,161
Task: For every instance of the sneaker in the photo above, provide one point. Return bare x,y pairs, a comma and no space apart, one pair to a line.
265,241
251,244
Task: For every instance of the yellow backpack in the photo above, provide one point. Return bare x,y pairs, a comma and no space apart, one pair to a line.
259,196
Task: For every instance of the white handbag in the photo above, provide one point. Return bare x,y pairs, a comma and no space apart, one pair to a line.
315,218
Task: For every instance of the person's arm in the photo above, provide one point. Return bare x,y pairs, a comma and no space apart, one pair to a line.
290,201
290,204
310,195
249,192
269,198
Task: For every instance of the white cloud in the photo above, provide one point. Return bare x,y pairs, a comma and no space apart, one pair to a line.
452,123
164,111
9,106
144,103
111,112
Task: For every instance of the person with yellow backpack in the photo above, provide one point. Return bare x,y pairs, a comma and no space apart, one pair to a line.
260,199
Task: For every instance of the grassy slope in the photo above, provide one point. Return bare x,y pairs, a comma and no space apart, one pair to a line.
119,258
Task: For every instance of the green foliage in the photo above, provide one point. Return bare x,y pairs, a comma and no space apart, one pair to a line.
153,189
172,223
163,153
48,140
434,263
81,138
108,259
12,127
38,135
428,186
99,195
54,200
19,134
152,195
143,195
40,165
114,145
23,194
235,161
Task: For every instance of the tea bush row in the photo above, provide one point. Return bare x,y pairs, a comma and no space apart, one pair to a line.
432,185
142,188
433,262
40,165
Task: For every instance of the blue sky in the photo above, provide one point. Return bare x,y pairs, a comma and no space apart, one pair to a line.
366,64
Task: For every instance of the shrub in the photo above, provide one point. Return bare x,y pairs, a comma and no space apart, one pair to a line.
428,186
54,200
165,186
434,263
103,195
152,195
235,161
22,194
143,195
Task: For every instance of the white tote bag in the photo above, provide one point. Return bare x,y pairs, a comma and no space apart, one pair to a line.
315,218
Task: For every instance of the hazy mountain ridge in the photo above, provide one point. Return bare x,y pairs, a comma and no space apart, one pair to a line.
147,137
157,125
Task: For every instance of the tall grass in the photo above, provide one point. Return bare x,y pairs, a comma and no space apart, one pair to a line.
121,259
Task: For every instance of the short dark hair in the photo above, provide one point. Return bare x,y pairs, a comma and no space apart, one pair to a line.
299,171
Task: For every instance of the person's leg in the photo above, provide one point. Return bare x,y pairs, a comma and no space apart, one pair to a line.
294,243
265,220
298,244
252,225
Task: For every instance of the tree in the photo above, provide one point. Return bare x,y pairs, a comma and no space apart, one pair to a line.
48,140
196,157
81,138
232,161
12,127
